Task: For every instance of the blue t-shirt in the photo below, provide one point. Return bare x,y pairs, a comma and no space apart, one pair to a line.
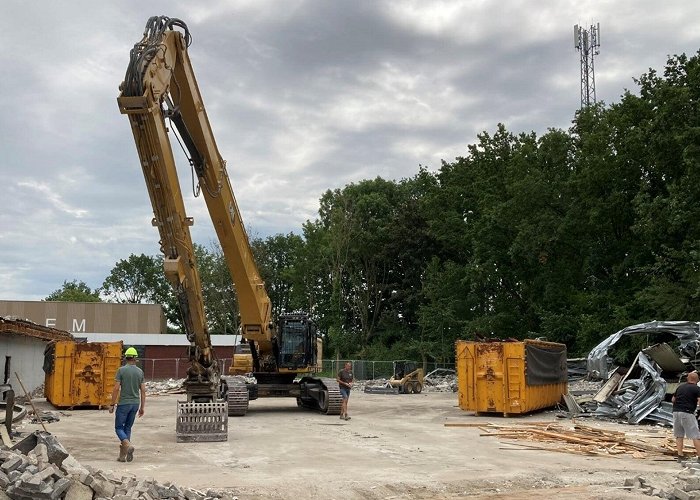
130,377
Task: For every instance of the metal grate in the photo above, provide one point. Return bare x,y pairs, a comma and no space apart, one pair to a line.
201,422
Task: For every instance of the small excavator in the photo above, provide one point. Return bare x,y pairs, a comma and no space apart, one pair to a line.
160,88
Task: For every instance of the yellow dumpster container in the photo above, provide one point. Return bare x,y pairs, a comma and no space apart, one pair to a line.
81,373
511,378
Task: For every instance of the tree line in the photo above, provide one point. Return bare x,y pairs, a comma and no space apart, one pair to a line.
568,236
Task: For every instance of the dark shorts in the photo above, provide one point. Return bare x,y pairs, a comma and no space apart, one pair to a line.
345,392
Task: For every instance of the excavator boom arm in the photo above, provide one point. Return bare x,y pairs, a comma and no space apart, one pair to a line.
160,84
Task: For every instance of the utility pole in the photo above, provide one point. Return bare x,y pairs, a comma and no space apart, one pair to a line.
587,42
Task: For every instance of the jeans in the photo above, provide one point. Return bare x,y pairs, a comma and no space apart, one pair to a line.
124,420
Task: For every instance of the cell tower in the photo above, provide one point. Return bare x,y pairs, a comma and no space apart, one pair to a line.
587,42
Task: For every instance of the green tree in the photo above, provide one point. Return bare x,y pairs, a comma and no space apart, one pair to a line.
472,218
368,250
137,279
141,279
667,208
74,291
219,294
278,258
358,218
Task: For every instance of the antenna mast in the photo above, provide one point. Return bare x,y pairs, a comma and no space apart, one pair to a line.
587,42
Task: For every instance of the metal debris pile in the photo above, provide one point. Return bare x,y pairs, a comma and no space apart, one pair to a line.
46,417
640,392
39,468
579,439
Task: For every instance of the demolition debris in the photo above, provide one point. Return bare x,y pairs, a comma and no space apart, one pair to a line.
439,380
640,392
579,439
39,468
685,485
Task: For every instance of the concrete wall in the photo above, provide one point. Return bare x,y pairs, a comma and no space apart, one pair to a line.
27,360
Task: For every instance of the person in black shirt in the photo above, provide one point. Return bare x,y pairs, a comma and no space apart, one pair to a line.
685,401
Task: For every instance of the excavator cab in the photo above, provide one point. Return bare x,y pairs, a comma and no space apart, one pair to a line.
296,336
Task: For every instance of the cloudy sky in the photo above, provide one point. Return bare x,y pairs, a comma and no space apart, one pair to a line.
303,96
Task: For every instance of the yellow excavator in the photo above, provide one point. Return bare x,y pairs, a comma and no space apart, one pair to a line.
160,88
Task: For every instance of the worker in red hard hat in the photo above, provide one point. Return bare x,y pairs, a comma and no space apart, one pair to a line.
129,396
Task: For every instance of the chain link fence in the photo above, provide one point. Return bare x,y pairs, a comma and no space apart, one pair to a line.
369,370
166,368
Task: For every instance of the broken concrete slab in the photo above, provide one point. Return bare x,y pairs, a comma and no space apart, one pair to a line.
78,491
54,451
64,478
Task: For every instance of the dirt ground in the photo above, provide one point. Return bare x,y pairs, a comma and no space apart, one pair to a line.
394,447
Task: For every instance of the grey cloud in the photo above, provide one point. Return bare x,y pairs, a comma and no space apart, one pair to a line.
303,96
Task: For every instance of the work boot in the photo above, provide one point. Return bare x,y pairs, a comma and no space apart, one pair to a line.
129,453
122,451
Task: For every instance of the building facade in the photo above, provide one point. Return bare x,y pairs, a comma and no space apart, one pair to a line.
81,318
143,326
22,346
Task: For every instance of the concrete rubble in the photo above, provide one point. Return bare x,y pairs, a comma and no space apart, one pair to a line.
170,386
684,485
441,380
48,472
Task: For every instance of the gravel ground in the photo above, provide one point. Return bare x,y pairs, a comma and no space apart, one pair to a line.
395,446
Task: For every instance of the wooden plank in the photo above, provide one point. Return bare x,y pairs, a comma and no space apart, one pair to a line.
5,436
465,424
499,426
562,437
608,388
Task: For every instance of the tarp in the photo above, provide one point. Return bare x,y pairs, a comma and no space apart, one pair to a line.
688,332
545,365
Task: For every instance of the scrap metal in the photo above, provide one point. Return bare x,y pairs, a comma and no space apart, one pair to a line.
640,392
687,332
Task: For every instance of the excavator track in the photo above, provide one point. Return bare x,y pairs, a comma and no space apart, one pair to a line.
236,397
329,398
334,399
237,400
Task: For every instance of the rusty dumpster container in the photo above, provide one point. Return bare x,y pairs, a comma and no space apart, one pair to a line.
510,378
80,373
